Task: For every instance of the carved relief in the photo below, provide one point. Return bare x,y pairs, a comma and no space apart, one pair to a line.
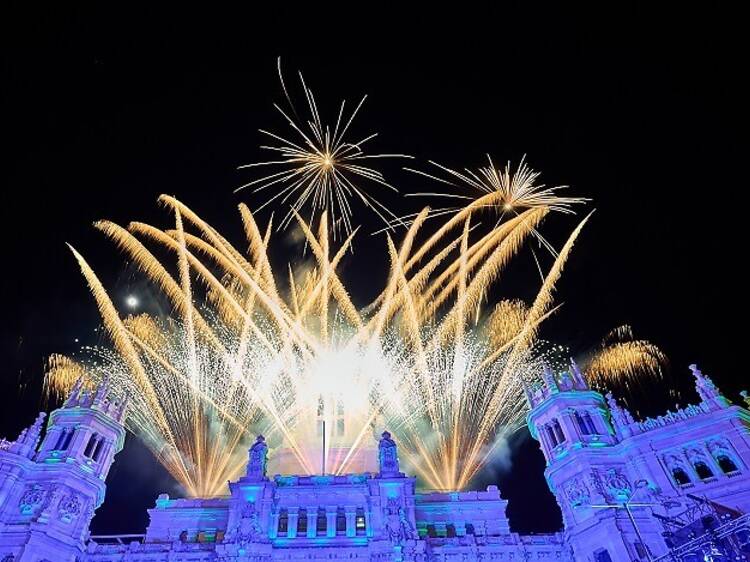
398,526
617,484
69,508
577,493
31,499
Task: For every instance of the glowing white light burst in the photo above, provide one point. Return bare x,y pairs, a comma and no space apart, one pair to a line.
320,169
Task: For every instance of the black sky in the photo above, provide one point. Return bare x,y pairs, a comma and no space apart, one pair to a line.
641,111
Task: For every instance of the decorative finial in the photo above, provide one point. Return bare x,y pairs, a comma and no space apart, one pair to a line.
549,379
73,394
28,439
101,392
707,390
578,376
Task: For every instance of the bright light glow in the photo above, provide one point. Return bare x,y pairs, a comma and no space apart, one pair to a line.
248,349
131,301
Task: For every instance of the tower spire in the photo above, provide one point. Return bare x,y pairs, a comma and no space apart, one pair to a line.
707,390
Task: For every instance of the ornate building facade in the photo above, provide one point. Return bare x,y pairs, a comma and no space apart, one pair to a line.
676,487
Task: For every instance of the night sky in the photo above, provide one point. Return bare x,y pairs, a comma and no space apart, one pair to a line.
640,111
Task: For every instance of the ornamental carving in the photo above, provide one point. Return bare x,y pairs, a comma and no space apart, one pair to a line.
398,526
617,484
31,499
577,493
69,508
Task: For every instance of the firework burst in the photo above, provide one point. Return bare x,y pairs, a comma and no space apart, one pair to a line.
318,167
620,355
242,354
247,350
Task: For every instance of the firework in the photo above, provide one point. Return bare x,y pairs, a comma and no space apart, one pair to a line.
241,355
621,355
247,350
502,190
318,167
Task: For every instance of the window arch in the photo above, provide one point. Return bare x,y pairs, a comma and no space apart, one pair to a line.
581,423
680,476
302,522
89,450
558,430
702,470
726,464
340,521
589,423
97,452
283,527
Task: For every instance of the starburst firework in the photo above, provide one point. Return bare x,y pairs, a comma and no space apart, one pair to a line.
320,169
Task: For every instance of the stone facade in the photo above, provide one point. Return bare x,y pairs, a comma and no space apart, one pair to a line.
675,486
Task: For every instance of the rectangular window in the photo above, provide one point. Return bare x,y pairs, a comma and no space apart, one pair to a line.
359,521
322,524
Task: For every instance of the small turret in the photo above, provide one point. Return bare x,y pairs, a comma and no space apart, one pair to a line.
579,379
28,439
58,488
622,419
707,390
87,429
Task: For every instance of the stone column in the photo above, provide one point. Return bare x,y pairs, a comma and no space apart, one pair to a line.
312,521
273,531
570,427
330,520
351,524
80,440
293,519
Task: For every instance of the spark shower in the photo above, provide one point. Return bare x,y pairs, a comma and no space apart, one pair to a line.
249,349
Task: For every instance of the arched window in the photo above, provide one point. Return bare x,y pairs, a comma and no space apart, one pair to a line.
283,528
589,423
302,523
680,476
726,464
558,430
702,470
321,524
87,452
551,435
61,439
340,521
450,530
98,450
581,424
68,439
431,531
469,528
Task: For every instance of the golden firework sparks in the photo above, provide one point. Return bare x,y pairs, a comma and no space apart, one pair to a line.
320,169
